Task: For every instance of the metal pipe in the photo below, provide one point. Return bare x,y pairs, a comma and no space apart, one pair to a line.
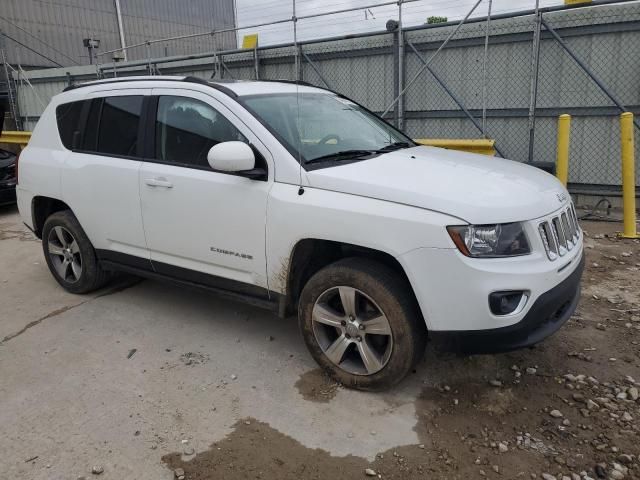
256,62
400,68
562,150
484,72
121,30
450,93
535,71
587,70
419,72
294,19
629,229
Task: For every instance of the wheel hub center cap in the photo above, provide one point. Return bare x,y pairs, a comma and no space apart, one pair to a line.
352,329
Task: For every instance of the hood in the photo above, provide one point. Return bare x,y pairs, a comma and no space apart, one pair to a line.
475,188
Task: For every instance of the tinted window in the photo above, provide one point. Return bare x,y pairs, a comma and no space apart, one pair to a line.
186,129
118,132
68,117
90,134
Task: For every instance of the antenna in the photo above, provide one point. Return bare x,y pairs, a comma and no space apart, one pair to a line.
297,73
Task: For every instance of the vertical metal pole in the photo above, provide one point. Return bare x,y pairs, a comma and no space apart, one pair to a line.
562,152
484,73
121,30
396,78
300,71
400,68
256,62
535,67
148,48
628,176
295,40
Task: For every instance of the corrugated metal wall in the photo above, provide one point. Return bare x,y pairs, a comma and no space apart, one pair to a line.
55,28
605,37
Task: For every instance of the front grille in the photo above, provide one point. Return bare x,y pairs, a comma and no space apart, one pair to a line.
560,233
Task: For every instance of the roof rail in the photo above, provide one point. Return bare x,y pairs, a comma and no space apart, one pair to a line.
120,80
188,79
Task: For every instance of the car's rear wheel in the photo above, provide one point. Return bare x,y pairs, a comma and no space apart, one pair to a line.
361,323
70,255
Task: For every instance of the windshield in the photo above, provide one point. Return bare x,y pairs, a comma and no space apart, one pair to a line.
329,128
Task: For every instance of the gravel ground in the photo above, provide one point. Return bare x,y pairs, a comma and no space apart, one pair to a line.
148,381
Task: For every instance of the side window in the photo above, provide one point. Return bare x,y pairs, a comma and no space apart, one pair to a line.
68,118
90,136
118,132
187,128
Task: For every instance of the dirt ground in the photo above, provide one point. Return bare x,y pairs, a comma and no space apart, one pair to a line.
145,380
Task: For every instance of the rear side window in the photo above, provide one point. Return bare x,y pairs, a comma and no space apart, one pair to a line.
68,118
118,129
90,134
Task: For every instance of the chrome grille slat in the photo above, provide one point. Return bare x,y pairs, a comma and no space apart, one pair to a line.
560,233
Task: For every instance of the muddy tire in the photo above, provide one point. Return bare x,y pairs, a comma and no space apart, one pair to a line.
362,324
70,255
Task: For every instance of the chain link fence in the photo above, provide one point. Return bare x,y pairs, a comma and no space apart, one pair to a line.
505,92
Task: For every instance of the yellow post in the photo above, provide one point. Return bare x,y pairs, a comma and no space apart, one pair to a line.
562,155
628,177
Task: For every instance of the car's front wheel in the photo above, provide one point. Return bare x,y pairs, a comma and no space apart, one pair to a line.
361,323
70,255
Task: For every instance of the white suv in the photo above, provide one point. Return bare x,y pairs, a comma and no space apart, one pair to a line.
296,198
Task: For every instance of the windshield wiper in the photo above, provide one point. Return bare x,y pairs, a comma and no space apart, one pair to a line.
394,146
342,155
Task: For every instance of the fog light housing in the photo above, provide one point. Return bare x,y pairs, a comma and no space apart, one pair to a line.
505,303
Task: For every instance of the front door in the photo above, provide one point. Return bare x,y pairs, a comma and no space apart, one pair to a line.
201,223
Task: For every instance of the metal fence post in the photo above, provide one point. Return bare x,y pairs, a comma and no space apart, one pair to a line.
484,71
535,69
256,62
149,58
396,77
300,71
401,60
628,176
562,155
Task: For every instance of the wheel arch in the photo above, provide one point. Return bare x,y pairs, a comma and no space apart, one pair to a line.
41,208
309,255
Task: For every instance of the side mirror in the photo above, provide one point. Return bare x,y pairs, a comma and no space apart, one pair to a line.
231,157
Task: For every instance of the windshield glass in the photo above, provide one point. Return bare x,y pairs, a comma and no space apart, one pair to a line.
328,125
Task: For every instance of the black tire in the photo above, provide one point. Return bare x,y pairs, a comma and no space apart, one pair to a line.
91,276
392,294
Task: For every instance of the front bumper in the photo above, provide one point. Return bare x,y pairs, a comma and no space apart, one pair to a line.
546,316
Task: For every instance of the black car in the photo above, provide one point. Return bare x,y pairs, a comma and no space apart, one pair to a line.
8,174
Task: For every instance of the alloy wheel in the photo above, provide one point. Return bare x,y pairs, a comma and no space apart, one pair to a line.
352,330
64,254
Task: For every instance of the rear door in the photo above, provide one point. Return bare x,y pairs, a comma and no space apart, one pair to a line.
100,181
201,223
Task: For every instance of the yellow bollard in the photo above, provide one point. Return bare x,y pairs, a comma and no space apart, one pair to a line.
628,177
562,155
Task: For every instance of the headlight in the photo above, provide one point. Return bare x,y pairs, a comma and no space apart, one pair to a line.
499,240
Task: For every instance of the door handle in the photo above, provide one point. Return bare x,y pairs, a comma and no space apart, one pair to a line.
158,182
